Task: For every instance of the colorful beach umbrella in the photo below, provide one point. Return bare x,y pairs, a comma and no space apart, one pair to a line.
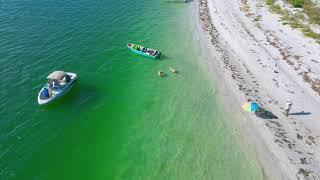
251,106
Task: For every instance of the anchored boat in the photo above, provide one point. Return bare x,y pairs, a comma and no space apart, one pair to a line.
152,53
59,82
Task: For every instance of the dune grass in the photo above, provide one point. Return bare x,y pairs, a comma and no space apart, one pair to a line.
296,3
312,11
270,2
299,20
309,8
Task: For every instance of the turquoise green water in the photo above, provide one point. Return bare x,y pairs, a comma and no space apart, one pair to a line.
120,120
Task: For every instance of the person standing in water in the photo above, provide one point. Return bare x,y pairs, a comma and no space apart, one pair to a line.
288,107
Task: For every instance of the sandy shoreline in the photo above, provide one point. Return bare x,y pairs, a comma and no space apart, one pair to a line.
263,60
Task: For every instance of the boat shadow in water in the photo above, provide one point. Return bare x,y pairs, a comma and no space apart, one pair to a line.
163,57
80,96
137,57
179,1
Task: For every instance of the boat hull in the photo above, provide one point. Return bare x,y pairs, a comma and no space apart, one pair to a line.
155,56
61,92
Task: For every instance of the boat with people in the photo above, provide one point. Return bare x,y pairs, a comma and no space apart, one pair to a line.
59,82
144,51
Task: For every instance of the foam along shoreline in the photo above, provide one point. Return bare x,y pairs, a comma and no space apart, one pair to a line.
263,60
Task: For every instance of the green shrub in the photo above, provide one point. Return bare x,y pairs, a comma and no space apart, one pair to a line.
312,11
277,9
312,34
297,20
270,2
295,24
297,3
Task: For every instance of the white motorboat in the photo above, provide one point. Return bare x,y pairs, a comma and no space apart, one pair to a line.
59,82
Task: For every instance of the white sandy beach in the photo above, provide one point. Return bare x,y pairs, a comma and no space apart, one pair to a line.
268,62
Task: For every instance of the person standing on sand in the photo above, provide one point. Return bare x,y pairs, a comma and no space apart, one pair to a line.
288,107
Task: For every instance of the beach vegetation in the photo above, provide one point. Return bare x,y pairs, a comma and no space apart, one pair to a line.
310,14
309,8
276,8
312,11
257,18
297,3
270,2
294,23
309,33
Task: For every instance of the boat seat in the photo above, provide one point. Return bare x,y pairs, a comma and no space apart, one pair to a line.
150,51
45,94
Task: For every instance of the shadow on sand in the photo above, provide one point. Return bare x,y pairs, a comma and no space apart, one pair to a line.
264,114
301,113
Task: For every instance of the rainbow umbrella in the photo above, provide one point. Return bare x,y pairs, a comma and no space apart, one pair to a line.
251,106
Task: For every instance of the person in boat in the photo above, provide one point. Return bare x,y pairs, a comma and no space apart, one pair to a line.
55,85
144,50
50,88
155,53
65,79
46,93
68,78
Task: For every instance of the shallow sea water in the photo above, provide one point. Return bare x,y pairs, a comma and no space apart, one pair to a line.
120,120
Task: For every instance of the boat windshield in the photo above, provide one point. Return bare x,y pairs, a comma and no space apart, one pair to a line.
56,85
